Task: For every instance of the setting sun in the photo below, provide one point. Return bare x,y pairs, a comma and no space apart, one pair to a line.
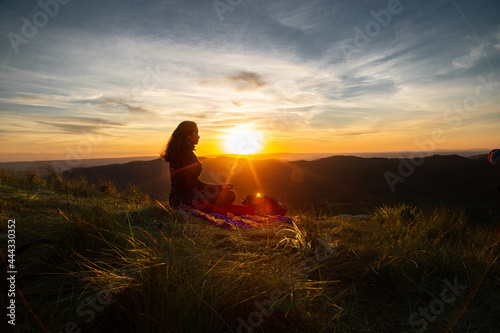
243,141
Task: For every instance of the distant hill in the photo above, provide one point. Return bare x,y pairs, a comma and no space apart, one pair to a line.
396,154
333,180
62,165
43,166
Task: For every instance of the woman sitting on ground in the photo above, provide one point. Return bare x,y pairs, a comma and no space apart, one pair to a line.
185,170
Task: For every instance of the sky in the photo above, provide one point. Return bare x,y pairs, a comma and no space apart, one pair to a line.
97,79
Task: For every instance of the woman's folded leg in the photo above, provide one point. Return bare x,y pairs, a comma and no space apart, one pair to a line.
219,196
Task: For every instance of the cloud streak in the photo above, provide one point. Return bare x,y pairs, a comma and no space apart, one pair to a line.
239,81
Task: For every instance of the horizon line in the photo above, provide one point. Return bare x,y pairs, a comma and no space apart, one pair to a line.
436,151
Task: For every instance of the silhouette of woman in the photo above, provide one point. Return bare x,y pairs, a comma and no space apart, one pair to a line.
185,170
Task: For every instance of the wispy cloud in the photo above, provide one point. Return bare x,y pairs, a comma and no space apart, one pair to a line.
243,78
74,129
240,81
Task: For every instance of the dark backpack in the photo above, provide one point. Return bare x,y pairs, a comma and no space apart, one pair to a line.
265,204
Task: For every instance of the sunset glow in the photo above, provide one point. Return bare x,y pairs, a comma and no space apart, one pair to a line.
108,79
243,141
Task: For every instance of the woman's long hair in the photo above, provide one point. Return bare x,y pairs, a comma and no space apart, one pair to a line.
177,142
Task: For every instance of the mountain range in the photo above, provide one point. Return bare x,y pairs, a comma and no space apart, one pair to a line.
326,182
44,166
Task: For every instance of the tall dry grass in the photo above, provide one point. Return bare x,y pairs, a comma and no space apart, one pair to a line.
118,261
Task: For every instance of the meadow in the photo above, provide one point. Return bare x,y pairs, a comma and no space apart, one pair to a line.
90,258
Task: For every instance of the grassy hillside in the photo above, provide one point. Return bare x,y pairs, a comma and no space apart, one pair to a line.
99,260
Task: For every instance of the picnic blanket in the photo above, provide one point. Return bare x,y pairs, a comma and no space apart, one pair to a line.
234,216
